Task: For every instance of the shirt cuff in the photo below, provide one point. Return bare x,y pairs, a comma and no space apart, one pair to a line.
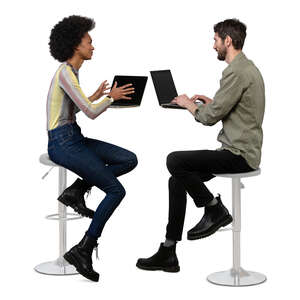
111,99
196,114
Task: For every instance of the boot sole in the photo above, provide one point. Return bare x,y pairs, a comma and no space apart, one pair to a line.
71,259
68,202
224,223
173,269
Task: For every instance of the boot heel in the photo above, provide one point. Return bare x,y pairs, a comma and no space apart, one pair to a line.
172,269
68,257
228,221
64,200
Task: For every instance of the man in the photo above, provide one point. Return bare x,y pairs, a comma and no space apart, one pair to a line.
239,104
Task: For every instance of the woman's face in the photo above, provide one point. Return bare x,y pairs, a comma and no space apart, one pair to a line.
85,48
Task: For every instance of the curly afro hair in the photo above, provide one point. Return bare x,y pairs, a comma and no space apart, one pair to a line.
67,34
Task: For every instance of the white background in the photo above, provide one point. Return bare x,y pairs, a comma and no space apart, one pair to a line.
134,37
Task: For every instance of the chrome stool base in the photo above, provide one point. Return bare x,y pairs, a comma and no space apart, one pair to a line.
56,267
232,278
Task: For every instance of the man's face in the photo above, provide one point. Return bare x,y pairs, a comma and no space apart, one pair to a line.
219,46
85,48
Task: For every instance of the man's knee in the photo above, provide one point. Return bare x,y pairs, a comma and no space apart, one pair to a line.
173,182
173,161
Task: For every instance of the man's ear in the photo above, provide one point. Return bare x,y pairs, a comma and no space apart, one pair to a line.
228,41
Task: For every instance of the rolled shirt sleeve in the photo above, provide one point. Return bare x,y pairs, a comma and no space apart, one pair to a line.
69,83
228,95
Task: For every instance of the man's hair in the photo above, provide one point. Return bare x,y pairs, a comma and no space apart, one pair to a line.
235,29
66,35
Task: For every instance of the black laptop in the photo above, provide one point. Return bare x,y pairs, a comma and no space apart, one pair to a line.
165,88
139,84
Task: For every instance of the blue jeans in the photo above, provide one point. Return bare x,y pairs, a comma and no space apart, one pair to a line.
97,162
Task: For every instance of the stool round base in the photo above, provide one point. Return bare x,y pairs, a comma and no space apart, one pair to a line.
233,278
56,267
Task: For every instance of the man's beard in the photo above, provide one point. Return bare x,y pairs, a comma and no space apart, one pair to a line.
222,54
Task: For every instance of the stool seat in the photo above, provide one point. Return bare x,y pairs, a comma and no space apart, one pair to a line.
45,160
240,175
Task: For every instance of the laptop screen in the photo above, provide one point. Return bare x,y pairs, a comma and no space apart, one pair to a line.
164,86
138,82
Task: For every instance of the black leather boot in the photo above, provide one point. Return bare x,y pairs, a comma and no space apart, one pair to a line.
214,218
73,196
164,259
80,256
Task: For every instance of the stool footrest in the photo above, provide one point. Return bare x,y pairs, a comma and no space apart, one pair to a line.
56,217
226,229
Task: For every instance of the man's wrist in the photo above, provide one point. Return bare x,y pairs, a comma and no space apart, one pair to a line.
191,107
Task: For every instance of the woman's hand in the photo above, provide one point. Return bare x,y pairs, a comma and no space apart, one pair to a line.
118,93
100,91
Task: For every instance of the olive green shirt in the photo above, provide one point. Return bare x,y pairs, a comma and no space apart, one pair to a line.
240,104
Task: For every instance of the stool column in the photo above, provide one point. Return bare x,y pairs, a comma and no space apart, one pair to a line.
62,211
236,228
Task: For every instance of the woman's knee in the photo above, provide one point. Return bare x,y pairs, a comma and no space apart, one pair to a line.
117,192
132,161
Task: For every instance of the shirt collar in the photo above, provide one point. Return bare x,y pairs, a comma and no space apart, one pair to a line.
73,69
237,58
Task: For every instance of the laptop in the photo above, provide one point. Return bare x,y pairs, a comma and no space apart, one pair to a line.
165,88
139,84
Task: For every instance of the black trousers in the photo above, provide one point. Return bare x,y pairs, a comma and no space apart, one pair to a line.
189,170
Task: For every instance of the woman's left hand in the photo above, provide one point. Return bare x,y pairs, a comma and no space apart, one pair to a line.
100,91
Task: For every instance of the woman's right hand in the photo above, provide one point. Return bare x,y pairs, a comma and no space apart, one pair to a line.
118,93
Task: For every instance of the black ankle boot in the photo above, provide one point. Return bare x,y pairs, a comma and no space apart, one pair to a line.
80,256
214,218
164,259
73,196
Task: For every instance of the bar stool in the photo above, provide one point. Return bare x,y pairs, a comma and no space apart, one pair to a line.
59,266
237,276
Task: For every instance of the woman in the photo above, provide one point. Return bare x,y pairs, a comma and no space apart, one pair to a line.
96,162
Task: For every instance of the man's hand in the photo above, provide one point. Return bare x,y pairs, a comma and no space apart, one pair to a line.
203,98
100,91
182,100
118,93
186,102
